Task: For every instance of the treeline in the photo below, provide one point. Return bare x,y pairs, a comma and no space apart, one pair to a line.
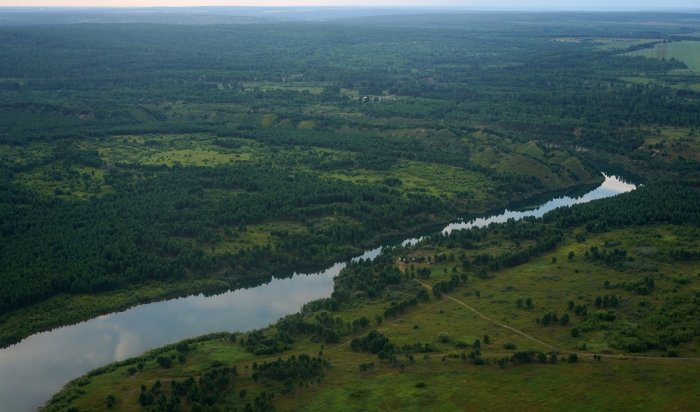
198,394
294,369
665,202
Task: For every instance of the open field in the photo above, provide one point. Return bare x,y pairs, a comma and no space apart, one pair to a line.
553,279
686,51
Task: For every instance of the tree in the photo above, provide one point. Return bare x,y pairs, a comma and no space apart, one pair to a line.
528,303
110,401
164,361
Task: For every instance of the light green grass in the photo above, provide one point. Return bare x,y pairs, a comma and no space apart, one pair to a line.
306,124
620,44
170,150
74,182
672,142
423,177
253,235
267,120
453,386
551,285
686,51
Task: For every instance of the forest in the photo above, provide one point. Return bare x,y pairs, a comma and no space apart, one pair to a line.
222,155
143,159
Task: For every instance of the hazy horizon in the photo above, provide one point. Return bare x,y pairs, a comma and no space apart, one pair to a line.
619,5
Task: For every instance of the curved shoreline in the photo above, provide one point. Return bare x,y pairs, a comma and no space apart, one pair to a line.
122,335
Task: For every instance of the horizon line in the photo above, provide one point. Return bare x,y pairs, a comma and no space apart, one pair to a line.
371,7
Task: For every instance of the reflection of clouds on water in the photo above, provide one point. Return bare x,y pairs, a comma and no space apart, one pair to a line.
616,184
37,367
34,369
612,185
129,344
57,356
370,254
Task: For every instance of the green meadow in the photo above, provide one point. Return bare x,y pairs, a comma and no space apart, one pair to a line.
686,51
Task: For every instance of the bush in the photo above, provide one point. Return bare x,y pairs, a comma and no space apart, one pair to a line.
164,361
110,401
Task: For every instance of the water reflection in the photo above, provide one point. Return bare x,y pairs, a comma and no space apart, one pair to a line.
32,370
37,367
612,186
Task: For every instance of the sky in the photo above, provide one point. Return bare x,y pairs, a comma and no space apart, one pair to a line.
480,4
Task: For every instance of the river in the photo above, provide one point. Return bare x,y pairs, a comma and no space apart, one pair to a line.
38,366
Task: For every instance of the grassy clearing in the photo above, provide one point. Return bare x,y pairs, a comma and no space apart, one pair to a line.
441,180
424,177
267,120
686,51
194,157
553,279
170,150
234,239
670,143
66,182
312,88
620,44
23,156
306,124
556,168
451,386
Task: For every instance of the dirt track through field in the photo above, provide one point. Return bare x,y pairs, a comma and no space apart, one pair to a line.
547,345
503,325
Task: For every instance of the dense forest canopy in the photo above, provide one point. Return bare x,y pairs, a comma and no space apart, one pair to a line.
144,152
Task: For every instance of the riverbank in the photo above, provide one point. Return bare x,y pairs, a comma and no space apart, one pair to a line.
69,309
432,343
136,330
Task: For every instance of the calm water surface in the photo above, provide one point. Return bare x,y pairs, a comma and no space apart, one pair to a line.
36,368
